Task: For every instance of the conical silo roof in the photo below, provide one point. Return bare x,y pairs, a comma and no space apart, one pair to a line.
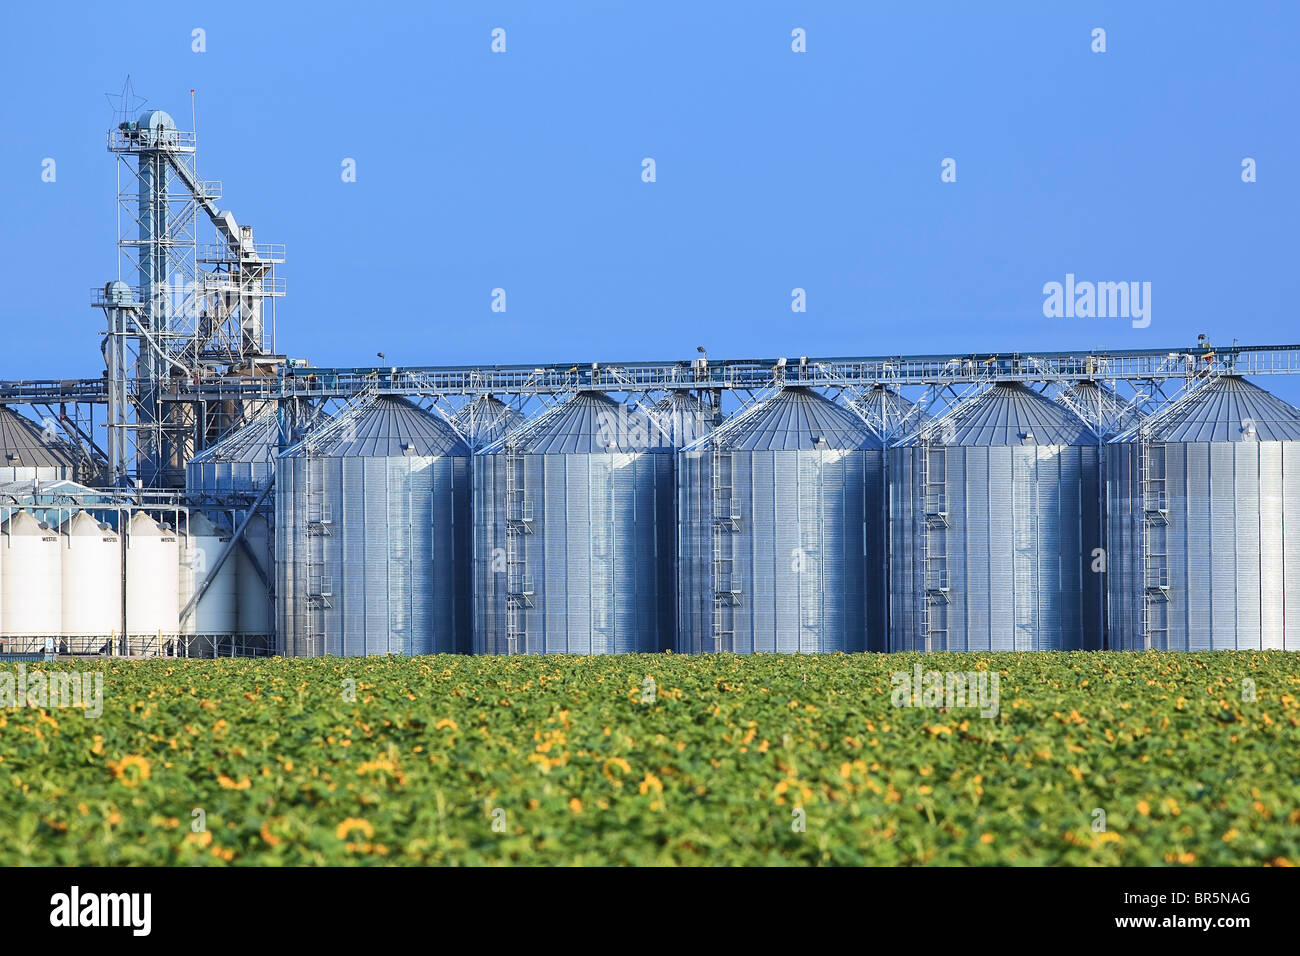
24,524
587,423
486,419
24,444
1100,407
84,525
382,427
141,525
681,418
795,419
201,526
257,441
1010,413
1225,410
882,404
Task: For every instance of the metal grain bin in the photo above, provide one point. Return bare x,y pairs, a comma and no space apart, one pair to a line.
372,535
995,524
888,412
777,533
573,534
1098,405
1203,521
682,418
243,461
485,419
30,452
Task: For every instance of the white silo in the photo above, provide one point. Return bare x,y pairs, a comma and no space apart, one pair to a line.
92,578
200,549
31,578
254,615
152,583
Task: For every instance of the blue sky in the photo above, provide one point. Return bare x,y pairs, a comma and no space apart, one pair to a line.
775,170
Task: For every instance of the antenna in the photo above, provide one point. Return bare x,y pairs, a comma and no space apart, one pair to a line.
126,103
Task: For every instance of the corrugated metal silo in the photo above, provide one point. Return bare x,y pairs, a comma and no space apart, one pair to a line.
573,534
889,412
243,461
776,524
1203,521
995,525
485,419
28,452
1098,405
681,418
372,535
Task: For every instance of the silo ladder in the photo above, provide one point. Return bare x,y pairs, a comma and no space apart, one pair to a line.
1155,557
519,583
726,524
934,546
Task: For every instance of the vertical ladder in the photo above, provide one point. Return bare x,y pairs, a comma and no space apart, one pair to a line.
1024,564
933,483
319,592
519,583
726,524
1155,556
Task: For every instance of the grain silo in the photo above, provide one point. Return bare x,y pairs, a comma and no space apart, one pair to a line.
776,522
213,620
1099,405
485,419
92,581
372,535
31,580
254,573
243,461
995,529
889,412
1203,521
573,534
681,418
29,452
153,563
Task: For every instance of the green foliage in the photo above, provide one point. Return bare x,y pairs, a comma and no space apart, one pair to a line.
568,760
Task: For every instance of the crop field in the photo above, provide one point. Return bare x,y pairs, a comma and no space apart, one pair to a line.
1089,759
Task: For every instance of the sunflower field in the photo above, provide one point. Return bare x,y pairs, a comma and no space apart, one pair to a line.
1089,759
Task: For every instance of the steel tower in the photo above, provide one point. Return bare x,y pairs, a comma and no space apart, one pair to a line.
195,310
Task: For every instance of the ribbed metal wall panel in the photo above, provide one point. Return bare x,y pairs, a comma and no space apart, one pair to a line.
391,558
1022,526
801,569
1291,545
599,553
1232,540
